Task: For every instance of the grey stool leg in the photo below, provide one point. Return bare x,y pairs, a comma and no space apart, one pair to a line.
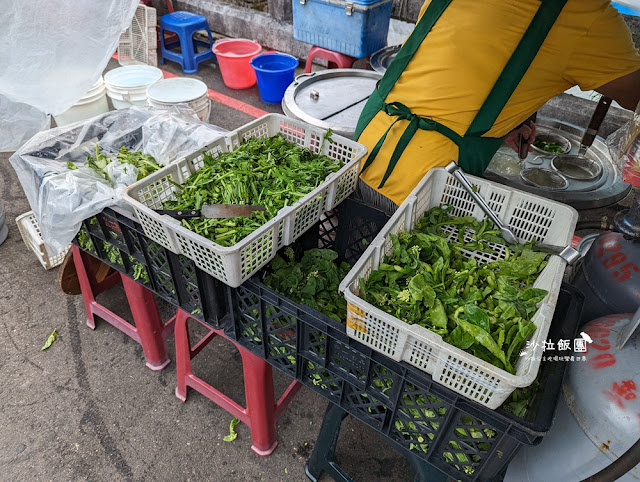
322,458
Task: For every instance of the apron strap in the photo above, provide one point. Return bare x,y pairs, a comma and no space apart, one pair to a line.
516,67
416,122
400,62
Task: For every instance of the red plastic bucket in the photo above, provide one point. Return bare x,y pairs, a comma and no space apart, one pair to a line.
233,57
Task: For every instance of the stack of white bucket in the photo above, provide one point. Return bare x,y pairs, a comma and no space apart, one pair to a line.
127,86
181,90
93,103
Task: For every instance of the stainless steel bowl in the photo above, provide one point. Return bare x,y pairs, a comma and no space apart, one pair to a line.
548,136
577,167
544,178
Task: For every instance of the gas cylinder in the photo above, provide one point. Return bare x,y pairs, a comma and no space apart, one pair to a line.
4,229
598,415
609,276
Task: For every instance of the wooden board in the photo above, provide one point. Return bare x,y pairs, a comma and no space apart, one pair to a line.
68,277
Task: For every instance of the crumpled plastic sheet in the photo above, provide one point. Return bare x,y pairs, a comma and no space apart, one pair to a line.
62,198
53,52
624,148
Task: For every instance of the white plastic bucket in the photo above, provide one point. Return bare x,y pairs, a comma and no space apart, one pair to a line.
181,90
127,86
93,103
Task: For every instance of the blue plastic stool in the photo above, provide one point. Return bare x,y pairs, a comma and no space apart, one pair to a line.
184,25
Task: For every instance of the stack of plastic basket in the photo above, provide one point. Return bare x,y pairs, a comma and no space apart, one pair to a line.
139,43
530,217
235,264
30,232
410,409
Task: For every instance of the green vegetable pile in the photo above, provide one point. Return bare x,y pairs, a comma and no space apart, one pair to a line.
112,252
420,416
145,163
484,309
85,241
520,399
269,172
548,146
313,281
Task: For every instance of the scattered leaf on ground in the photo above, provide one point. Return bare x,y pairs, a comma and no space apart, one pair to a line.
50,340
232,433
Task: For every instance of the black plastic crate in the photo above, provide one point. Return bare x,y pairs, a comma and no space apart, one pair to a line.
118,240
420,417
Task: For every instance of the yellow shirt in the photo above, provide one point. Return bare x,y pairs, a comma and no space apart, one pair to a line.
459,61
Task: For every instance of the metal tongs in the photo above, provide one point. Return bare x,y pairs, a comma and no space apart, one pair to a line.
569,254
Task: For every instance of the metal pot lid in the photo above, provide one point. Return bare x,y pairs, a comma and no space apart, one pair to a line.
330,99
381,59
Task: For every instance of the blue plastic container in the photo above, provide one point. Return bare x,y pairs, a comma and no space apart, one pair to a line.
626,10
275,72
355,28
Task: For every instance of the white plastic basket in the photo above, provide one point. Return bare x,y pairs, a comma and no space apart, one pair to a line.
30,232
528,216
139,43
235,264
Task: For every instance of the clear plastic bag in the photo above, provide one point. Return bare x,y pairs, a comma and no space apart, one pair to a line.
624,148
54,51
61,198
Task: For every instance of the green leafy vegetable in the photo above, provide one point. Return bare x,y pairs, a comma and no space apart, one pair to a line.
50,340
85,240
232,433
145,163
484,309
112,253
269,172
520,400
548,146
139,271
420,415
312,281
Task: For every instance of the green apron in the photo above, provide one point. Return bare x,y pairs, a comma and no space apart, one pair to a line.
475,151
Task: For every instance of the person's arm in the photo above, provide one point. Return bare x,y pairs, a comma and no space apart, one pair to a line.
624,90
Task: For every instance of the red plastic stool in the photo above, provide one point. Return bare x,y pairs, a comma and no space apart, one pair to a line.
261,412
341,60
148,330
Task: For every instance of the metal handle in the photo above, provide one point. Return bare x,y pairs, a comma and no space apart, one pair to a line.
453,169
523,145
594,124
570,255
302,76
179,214
523,148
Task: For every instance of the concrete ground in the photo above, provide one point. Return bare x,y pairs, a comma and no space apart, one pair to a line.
88,409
